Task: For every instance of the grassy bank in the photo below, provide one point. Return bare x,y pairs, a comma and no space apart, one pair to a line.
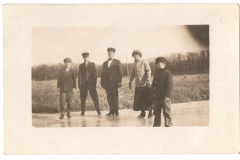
45,97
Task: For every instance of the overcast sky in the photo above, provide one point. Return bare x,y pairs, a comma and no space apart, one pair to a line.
51,45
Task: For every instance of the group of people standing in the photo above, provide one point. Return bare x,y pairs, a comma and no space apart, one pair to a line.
148,96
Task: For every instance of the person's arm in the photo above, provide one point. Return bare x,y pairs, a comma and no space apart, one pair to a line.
169,84
102,76
148,73
120,74
132,74
58,81
74,77
79,78
94,73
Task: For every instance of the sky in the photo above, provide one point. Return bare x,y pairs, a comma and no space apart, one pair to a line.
50,45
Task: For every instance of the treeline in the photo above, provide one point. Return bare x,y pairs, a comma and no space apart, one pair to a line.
179,64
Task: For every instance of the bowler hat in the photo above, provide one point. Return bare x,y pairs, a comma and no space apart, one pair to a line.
160,59
85,54
138,52
67,60
111,49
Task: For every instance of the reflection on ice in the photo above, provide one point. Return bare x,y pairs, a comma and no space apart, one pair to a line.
186,114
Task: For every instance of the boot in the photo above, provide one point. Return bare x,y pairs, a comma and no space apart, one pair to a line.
98,112
61,116
150,114
69,115
68,111
110,113
116,114
82,109
142,115
82,113
168,122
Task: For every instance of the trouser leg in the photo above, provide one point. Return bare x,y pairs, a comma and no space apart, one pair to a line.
69,100
63,97
157,114
83,96
110,100
114,93
94,95
167,112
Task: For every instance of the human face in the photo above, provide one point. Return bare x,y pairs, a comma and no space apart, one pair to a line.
67,64
136,57
86,58
161,65
111,54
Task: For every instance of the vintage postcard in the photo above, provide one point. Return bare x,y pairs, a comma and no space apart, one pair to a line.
121,78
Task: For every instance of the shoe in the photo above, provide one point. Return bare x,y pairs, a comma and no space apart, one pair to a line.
82,113
116,114
69,115
150,115
109,114
141,116
61,116
168,122
99,113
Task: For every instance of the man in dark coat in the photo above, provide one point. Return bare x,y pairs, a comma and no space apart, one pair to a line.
66,85
111,80
87,80
161,92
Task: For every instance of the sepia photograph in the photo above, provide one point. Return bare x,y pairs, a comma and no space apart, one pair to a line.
120,76
110,79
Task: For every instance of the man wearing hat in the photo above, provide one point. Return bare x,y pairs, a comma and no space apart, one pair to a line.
111,80
141,71
66,85
87,80
161,92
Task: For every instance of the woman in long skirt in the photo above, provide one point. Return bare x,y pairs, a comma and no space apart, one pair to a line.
141,71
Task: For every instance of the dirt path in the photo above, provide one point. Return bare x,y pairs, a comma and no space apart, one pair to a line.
184,114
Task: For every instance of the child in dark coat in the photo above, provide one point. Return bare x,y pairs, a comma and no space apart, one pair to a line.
161,93
66,85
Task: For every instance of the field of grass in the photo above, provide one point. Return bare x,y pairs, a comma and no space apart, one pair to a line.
45,97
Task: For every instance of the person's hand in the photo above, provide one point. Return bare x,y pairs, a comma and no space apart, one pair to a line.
119,84
59,90
130,85
73,90
166,98
148,83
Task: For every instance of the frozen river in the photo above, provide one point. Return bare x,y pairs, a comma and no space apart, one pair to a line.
183,114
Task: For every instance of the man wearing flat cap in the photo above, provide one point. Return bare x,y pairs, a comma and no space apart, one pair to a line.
141,71
111,80
66,85
87,80
161,92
